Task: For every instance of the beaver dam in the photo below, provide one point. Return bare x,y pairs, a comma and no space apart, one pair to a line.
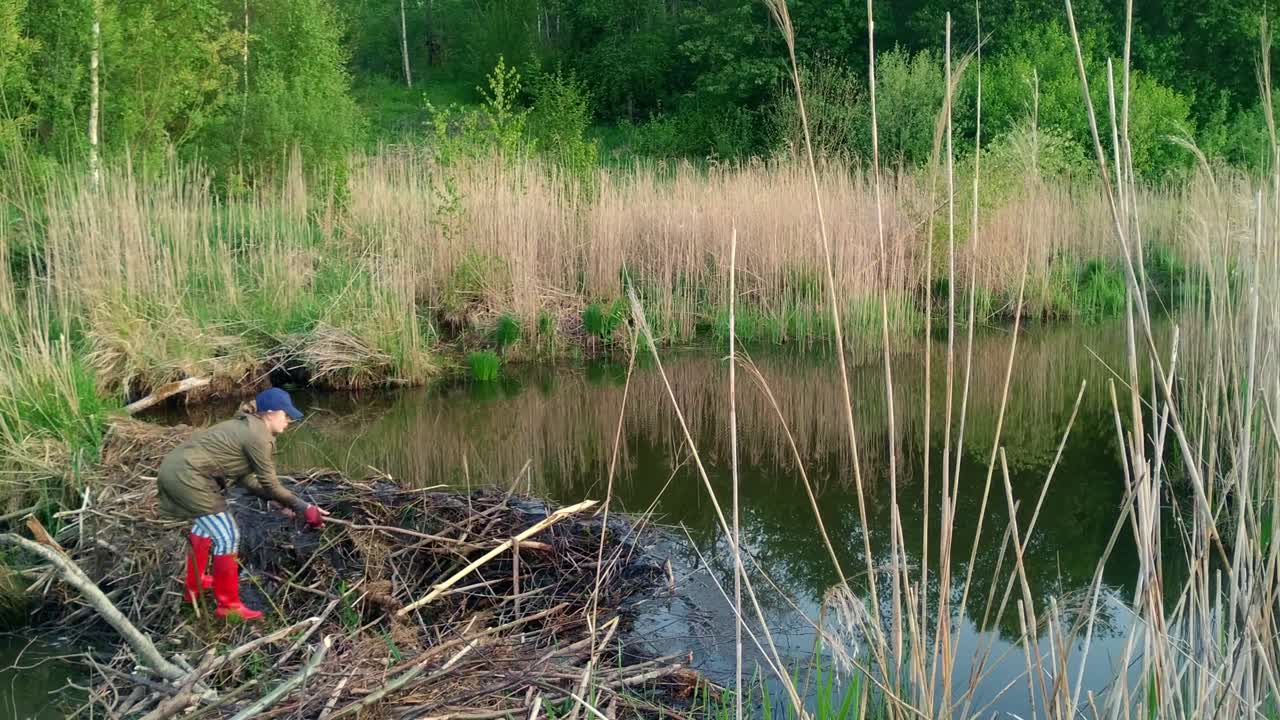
411,603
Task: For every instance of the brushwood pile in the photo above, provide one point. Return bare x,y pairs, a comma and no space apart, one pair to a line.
540,622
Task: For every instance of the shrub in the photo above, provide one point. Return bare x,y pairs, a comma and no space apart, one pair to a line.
832,93
559,123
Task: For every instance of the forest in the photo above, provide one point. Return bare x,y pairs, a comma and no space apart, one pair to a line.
234,83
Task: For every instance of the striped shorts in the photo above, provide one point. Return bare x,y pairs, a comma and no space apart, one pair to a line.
222,529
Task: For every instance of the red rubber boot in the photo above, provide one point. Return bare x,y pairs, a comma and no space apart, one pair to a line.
197,562
226,589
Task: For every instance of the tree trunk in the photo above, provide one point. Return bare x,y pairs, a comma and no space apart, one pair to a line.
95,166
404,48
244,103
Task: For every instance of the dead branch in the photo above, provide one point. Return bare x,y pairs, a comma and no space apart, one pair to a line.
288,686
75,577
164,392
537,527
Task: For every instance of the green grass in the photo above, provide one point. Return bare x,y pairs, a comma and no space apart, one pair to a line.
397,113
484,365
52,417
506,331
827,698
603,320
803,321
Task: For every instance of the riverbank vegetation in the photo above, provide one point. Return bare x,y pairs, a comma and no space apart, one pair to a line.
243,224
281,208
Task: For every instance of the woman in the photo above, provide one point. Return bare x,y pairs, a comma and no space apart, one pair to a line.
194,476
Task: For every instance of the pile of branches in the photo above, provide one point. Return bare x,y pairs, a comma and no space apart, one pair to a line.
411,603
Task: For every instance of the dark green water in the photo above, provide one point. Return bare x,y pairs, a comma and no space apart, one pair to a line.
560,423
33,680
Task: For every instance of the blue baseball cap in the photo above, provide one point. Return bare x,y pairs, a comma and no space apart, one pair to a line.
276,399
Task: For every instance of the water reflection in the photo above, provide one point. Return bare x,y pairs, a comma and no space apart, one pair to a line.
34,682
563,421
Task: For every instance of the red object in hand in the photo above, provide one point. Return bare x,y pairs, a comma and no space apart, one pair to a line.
313,516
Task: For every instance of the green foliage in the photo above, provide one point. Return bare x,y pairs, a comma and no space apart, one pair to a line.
201,57
298,92
1100,291
493,28
497,127
16,51
832,95
507,330
1241,140
602,321
475,276
52,419
546,324
559,123
506,120
1019,157
910,91
484,365
698,131
1091,291
731,52
347,614
1042,57
627,71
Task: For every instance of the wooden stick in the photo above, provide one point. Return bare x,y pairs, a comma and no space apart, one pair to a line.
287,686
164,392
42,536
393,530
404,678
10,517
515,576
186,692
75,577
333,698
537,527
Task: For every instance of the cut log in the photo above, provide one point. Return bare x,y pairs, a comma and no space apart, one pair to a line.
164,392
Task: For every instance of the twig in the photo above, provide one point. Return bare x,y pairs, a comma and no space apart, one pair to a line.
404,678
537,527
185,692
333,697
16,514
74,576
287,686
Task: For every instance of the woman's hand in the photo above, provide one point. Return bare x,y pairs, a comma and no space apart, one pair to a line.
315,516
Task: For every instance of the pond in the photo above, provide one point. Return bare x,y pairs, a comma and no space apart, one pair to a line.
34,680
551,431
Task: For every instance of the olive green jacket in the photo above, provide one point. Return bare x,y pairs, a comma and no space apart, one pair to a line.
194,475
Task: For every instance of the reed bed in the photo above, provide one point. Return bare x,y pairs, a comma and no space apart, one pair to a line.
1188,413
158,278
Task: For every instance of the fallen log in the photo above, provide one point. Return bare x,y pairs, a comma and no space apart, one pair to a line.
75,577
164,392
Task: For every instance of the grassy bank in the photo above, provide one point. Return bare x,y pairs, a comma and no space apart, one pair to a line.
408,263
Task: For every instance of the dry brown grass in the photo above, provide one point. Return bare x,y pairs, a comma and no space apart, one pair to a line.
166,280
